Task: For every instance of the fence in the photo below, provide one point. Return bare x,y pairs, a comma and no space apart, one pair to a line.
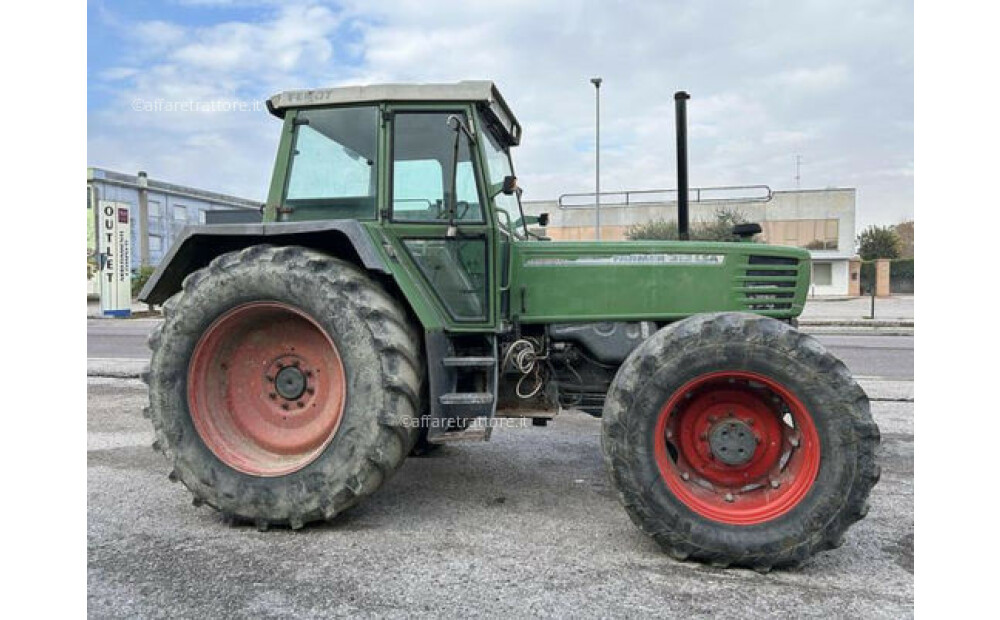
900,276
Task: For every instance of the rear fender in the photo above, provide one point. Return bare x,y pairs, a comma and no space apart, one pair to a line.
198,245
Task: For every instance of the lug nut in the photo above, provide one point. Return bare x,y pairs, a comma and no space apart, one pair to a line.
295,363
775,484
310,391
729,497
301,404
284,406
269,378
794,441
685,476
748,421
272,395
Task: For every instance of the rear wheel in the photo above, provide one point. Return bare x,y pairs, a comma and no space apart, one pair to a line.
734,439
284,385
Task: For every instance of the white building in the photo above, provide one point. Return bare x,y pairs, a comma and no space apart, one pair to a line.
821,220
159,210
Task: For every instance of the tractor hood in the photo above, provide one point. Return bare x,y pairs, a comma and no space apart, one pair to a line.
655,280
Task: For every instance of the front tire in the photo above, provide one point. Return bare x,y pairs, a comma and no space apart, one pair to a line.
284,385
733,439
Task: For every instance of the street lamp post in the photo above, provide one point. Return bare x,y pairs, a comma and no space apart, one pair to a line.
597,174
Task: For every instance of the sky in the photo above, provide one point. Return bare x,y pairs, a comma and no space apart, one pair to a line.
829,82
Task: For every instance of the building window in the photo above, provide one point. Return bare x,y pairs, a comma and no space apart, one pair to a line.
201,217
180,214
809,234
155,243
822,274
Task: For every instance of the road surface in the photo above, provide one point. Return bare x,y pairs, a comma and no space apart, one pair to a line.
866,355
524,525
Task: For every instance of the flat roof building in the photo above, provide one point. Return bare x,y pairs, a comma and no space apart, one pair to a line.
158,210
820,220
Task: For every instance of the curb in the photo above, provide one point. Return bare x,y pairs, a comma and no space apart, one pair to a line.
116,368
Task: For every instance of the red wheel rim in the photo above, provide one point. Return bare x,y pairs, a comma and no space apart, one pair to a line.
737,447
266,388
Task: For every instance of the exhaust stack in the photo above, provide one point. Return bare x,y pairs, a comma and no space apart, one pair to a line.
680,108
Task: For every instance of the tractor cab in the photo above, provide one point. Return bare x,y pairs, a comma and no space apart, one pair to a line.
428,166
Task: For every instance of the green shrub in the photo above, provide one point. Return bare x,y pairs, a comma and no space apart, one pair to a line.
721,229
139,279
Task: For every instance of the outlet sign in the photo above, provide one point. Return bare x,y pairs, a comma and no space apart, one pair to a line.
114,258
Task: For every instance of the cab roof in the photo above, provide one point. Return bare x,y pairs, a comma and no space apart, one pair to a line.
471,91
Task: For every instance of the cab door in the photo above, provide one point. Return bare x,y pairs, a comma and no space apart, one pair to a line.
436,214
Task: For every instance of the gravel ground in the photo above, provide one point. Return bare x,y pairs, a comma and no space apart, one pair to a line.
525,525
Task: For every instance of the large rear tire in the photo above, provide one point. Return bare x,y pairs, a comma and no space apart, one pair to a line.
733,439
284,385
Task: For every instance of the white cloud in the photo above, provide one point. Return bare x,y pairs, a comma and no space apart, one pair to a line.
812,80
832,83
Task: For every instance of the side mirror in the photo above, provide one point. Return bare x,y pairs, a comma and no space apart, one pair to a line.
543,219
509,185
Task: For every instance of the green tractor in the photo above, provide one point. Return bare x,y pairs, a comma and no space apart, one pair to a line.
394,297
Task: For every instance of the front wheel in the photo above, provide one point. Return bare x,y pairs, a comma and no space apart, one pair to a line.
734,439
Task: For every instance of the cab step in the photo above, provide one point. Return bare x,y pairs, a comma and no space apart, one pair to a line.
467,398
463,382
469,362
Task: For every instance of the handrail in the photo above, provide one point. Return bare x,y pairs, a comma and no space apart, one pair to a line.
696,194
505,286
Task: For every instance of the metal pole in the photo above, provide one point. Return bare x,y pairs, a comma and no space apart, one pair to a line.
143,217
597,174
680,109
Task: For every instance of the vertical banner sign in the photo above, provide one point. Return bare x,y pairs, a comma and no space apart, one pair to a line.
114,238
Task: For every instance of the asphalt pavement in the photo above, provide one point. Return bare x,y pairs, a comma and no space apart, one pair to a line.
524,525
117,348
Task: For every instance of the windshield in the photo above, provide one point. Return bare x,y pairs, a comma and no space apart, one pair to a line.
499,166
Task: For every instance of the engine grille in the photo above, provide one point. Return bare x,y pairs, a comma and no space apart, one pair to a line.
768,283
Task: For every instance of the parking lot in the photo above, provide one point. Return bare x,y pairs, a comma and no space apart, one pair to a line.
526,524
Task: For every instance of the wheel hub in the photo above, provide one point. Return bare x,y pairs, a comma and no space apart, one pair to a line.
290,383
732,442
737,447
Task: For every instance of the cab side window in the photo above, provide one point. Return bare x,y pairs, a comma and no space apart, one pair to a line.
333,170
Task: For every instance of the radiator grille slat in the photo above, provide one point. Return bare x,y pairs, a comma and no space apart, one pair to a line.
776,273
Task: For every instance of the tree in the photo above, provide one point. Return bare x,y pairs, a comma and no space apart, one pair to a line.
905,232
719,229
879,242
